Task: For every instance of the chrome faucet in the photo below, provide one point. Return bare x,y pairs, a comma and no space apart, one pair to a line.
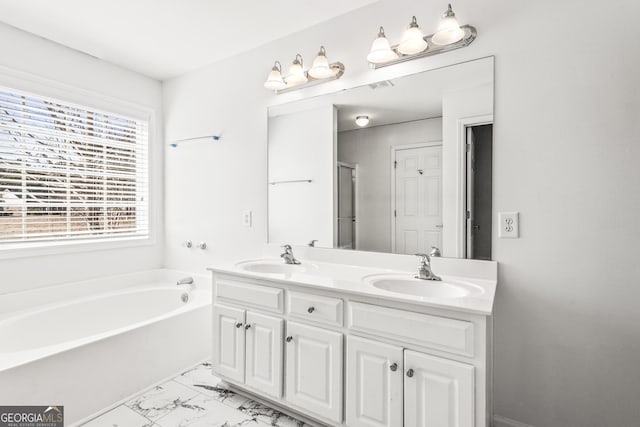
424,268
185,281
287,255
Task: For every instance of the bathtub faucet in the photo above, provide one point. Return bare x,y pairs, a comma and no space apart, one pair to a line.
185,281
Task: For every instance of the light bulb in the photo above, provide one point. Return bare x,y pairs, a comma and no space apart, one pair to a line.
320,68
362,121
381,50
274,80
296,74
412,40
449,31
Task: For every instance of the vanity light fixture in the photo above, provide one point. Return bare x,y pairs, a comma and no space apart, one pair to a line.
449,36
297,77
362,121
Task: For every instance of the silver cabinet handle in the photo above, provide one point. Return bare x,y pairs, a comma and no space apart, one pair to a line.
239,325
393,367
289,338
410,373
311,309
246,327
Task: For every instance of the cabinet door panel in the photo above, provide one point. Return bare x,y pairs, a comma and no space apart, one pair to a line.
264,354
314,370
439,393
228,342
374,384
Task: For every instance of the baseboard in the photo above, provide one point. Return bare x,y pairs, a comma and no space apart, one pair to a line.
499,421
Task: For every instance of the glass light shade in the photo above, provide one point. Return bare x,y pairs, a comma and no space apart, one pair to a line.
296,74
274,80
449,30
412,40
381,50
320,68
362,121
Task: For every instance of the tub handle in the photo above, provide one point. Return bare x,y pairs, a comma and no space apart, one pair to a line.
239,325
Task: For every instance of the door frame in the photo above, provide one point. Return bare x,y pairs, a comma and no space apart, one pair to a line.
461,198
354,166
394,152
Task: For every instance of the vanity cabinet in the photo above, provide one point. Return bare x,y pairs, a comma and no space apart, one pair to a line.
248,348
347,360
314,370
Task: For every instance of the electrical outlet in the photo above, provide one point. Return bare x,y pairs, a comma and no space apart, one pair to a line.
508,225
246,218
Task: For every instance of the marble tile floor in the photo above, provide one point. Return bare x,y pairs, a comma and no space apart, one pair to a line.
192,399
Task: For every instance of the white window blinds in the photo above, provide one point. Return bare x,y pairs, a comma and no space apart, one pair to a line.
68,172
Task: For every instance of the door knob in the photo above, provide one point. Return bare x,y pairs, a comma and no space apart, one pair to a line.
289,338
239,325
410,373
393,367
311,309
246,327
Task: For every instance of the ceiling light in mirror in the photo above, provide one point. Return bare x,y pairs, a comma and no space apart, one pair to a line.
449,30
320,68
362,121
296,73
274,80
381,50
412,40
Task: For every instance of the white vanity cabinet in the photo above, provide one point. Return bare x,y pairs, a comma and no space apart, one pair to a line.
348,360
248,348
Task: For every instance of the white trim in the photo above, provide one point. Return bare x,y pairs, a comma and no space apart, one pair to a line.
461,196
499,421
42,86
394,151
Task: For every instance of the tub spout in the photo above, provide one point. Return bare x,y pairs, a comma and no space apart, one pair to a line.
185,281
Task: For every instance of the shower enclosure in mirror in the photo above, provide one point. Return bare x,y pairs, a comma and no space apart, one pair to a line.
413,174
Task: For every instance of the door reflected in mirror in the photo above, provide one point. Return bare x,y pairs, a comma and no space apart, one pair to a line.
415,177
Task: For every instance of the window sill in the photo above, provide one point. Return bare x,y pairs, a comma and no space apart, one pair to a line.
36,249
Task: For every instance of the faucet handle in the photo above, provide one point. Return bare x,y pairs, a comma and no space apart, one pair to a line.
312,243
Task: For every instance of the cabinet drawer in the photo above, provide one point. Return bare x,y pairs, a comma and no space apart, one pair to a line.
315,308
440,333
248,294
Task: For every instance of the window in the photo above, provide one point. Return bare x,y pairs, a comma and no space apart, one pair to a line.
70,173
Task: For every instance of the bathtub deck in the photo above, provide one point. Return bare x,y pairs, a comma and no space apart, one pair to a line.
193,398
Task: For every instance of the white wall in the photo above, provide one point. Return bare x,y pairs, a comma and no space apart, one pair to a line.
565,152
301,147
471,105
50,64
370,149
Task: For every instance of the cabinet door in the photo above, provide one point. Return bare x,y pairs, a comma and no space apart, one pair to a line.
374,383
264,353
228,342
314,370
437,392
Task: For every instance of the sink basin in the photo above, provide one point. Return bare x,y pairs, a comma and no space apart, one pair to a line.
273,266
407,285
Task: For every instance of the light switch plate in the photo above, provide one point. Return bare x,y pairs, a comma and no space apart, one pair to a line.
246,218
508,227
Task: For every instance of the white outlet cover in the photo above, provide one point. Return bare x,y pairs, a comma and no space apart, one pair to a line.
508,225
246,218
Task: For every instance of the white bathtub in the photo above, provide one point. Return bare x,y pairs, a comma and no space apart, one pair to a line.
87,345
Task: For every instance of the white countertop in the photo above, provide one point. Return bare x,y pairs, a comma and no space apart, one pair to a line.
349,279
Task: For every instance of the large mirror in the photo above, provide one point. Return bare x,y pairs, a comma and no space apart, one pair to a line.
399,166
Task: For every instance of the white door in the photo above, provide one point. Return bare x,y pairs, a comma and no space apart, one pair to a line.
374,383
418,199
437,392
314,370
264,353
228,342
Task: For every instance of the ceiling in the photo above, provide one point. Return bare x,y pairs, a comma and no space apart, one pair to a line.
166,38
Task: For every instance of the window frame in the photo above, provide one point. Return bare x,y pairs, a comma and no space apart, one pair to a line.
39,86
